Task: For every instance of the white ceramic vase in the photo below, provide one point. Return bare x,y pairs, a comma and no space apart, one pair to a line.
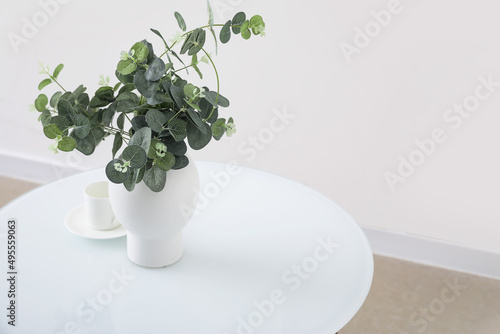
154,220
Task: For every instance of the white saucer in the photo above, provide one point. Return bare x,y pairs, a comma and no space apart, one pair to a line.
75,223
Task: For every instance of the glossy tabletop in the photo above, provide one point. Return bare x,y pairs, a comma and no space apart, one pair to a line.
262,255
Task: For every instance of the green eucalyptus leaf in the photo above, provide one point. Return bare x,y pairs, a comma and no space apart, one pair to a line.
151,54
144,86
199,41
180,162
97,103
206,109
190,91
105,93
188,42
116,86
225,33
140,175
193,105
177,128
79,90
139,122
178,96
127,88
61,122
180,22
126,101
198,139
117,143
218,128
98,135
45,117
216,100
58,70
68,96
126,67
156,32
82,126
51,131
194,64
156,70
140,51
211,25
142,137
85,145
132,180
82,102
108,114
67,144
120,121
210,14
196,119
257,24
256,20
238,20
54,99
155,178
103,96
115,171
155,100
66,109
96,118
165,162
136,155
156,119
175,147
41,102
125,78
245,30
44,83
164,97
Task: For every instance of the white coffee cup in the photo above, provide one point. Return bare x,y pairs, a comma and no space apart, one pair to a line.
98,212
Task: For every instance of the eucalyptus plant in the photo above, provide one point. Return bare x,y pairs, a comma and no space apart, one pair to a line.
152,111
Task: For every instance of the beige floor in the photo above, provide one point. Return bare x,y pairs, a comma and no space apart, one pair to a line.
406,298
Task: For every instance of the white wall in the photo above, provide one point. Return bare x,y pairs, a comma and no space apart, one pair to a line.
351,120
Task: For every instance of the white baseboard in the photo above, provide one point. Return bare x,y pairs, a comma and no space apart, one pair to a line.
388,243
435,253
34,169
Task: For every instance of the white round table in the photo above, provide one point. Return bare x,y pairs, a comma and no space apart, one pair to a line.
262,255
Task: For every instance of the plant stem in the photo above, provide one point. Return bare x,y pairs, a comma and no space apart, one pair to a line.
113,131
55,80
217,76
174,116
203,27
185,67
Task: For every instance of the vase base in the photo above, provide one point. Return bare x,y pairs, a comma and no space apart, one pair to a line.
154,253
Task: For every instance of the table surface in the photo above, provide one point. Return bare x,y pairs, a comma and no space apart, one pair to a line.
262,255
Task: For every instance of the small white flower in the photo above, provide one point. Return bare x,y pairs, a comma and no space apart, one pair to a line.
161,149
118,167
53,147
103,81
177,37
44,69
230,129
204,59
